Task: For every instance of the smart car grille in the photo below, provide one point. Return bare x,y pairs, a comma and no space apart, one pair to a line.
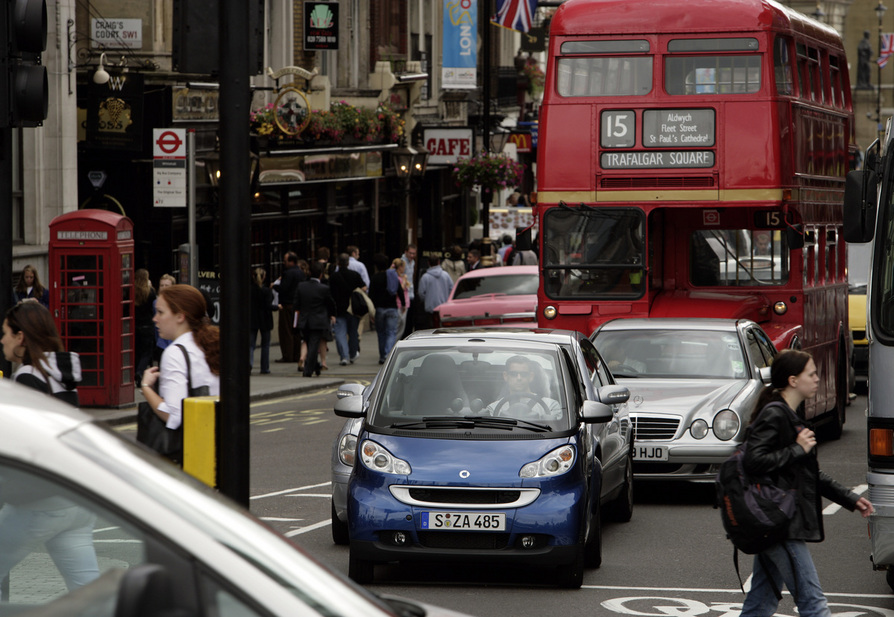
654,427
435,495
462,540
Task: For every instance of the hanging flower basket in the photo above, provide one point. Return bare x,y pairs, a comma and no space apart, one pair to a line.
491,172
340,124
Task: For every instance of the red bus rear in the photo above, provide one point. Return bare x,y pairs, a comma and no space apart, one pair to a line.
691,164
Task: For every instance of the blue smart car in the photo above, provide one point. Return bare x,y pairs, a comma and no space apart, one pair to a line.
488,445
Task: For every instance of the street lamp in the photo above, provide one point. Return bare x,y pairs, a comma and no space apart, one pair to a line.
409,162
818,12
880,11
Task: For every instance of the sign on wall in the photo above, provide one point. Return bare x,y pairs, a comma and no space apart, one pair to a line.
446,145
460,36
320,25
116,33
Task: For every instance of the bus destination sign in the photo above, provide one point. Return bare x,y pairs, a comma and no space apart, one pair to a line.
657,159
678,128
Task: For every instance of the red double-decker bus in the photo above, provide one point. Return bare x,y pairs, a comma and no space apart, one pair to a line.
691,163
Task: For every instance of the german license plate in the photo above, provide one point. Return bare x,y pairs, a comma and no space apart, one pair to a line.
464,521
649,453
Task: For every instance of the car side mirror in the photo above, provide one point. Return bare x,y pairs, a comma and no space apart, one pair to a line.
144,591
594,412
349,407
613,395
349,389
764,373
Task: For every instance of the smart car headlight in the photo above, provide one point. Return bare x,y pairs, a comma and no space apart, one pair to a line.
555,463
726,425
347,449
378,458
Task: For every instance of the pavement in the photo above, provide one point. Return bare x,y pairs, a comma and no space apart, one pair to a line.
283,380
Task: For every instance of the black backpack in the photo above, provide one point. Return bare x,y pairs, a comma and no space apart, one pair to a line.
755,512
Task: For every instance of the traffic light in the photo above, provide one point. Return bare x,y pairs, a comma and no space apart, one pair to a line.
24,99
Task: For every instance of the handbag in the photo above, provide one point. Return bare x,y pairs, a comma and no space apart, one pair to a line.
152,430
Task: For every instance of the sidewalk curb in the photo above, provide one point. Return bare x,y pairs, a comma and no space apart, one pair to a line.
128,415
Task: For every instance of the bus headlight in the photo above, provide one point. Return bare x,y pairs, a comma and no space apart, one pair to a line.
726,425
550,312
780,308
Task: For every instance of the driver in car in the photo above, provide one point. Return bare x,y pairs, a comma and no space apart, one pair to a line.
520,398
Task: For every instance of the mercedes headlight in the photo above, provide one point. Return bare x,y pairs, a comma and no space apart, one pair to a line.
726,425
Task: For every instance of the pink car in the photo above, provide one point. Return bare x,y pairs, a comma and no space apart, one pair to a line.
501,296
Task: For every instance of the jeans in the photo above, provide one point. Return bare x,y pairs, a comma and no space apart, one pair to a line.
265,349
67,534
346,336
803,583
386,330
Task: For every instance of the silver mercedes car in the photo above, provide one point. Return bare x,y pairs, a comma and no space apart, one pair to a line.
693,385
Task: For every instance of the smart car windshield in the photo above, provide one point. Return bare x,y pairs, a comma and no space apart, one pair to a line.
477,388
689,354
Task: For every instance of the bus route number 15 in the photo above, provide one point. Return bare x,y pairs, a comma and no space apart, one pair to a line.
618,129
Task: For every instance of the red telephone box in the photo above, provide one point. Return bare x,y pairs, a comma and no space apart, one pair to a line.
91,299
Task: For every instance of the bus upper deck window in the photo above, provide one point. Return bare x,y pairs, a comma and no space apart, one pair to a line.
729,73
595,68
782,65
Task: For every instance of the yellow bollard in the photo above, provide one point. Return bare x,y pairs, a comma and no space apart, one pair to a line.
200,438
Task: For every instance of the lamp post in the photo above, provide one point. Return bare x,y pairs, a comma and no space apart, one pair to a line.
880,12
409,162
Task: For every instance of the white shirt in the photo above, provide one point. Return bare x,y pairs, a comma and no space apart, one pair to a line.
359,268
173,386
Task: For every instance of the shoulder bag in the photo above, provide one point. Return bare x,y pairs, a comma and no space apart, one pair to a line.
152,430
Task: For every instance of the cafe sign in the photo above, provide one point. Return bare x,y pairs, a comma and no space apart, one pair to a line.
445,146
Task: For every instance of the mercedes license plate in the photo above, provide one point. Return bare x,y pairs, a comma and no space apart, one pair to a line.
464,521
649,453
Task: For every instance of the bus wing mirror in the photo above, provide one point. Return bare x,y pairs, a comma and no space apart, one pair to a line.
860,195
794,235
523,239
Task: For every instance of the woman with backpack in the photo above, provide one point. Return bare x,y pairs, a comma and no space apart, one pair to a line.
781,446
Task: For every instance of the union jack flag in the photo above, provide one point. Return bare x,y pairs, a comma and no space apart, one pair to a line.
887,49
515,14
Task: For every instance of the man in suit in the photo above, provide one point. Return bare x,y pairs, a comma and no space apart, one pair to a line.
474,258
316,314
292,276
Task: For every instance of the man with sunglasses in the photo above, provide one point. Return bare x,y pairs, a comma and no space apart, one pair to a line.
521,397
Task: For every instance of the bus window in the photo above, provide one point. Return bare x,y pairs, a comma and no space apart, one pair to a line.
804,82
604,76
782,64
589,253
712,74
738,257
816,74
835,83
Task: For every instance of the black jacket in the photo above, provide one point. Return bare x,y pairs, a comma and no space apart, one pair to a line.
261,309
314,305
772,451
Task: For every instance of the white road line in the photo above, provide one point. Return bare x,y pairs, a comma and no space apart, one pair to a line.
291,490
313,527
326,495
279,519
736,590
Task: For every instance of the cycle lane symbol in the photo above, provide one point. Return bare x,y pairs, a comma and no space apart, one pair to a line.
656,606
